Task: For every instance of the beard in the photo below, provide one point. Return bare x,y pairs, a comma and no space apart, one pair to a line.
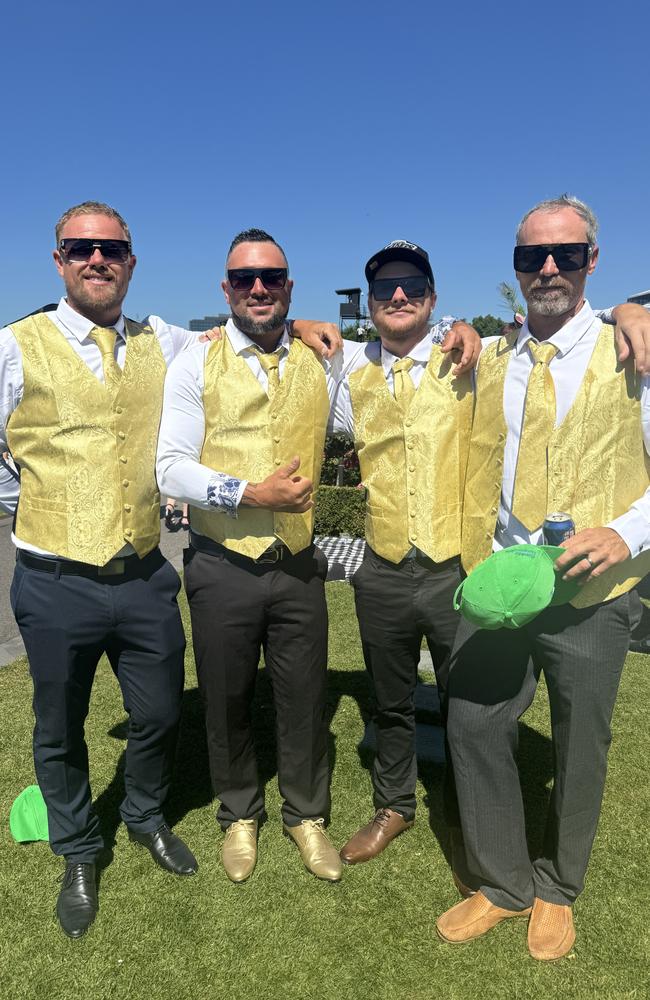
259,329
551,300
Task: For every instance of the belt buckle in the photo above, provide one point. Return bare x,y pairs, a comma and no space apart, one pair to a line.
271,556
114,567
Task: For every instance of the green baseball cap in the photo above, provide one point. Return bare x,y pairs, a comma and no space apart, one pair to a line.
28,816
512,586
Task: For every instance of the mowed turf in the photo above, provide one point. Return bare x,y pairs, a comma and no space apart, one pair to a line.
284,934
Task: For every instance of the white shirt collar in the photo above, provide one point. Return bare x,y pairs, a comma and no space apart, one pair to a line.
567,336
420,353
241,342
80,326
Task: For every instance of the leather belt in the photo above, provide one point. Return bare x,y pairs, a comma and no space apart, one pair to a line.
127,566
204,544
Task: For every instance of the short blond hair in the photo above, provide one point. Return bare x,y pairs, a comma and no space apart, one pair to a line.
90,208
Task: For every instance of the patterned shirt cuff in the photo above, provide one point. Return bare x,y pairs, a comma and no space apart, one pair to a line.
225,492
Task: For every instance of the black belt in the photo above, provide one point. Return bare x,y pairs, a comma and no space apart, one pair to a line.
204,544
123,568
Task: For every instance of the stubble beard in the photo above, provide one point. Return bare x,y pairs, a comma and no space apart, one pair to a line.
556,303
254,329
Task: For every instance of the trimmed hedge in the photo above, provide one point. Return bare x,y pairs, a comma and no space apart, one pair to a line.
340,510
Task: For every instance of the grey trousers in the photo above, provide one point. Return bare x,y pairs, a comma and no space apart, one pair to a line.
492,682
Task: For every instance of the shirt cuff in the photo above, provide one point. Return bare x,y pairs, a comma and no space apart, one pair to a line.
225,493
632,526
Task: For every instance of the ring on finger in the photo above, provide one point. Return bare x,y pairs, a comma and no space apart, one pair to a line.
589,561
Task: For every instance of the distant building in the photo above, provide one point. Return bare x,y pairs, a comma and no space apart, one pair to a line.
641,299
201,325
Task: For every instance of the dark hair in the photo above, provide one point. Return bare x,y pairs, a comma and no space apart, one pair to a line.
254,236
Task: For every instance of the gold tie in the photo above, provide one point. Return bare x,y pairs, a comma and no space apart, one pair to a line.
105,338
403,383
531,479
271,365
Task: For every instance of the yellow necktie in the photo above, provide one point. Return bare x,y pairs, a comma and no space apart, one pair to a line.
271,365
531,479
105,338
403,383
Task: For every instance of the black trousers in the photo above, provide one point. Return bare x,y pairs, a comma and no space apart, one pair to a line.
239,607
67,622
397,605
492,682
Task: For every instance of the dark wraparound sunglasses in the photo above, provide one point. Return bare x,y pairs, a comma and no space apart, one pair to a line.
567,256
242,279
73,249
414,286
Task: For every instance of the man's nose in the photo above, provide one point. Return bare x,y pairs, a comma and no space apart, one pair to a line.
96,256
550,267
258,288
399,295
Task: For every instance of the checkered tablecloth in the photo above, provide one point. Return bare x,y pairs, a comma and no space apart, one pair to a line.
343,554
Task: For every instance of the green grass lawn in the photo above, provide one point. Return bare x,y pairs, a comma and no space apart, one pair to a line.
284,934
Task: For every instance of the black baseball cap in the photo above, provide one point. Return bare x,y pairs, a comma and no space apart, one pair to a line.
400,250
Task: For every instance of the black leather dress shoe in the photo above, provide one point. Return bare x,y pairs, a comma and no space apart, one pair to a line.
167,850
77,904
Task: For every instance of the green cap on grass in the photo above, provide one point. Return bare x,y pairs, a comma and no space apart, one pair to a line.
512,586
28,816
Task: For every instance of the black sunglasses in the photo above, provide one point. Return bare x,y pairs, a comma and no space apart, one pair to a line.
242,279
567,256
414,286
73,249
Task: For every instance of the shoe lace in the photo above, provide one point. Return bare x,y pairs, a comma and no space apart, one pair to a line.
382,817
76,871
314,826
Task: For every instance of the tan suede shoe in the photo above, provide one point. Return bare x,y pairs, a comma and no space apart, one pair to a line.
318,855
239,850
375,837
550,931
472,918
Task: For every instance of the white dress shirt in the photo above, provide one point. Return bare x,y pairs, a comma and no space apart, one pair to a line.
575,342
182,428
75,328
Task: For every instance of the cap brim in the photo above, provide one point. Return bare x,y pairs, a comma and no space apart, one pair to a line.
398,253
565,590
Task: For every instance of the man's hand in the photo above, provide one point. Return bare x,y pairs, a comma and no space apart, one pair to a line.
324,338
590,553
633,335
463,339
281,491
212,334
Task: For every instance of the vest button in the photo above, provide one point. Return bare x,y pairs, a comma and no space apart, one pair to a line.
410,445
411,468
123,459
121,435
277,440
412,492
494,510
119,409
277,461
125,482
412,514
274,416
408,423
127,508
413,538
128,531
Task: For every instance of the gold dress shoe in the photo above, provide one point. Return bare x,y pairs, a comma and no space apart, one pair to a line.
239,850
375,837
550,931
318,855
472,918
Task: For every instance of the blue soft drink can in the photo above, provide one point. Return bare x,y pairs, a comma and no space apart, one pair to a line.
557,528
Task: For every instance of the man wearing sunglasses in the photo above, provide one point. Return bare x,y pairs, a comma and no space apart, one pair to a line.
559,426
254,405
82,394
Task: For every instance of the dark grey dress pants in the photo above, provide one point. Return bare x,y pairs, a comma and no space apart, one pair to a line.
397,605
492,682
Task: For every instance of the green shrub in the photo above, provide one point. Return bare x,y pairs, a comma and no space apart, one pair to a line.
340,510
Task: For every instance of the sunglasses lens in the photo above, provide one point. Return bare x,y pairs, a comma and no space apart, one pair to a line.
414,286
116,251
242,279
567,256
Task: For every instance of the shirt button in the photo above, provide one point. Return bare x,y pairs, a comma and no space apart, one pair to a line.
125,482
127,508
121,435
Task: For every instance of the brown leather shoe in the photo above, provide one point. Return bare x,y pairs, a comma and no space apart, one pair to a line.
375,837
550,931
472,918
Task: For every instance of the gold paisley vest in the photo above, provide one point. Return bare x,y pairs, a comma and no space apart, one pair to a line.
87,462
413,464
250,437
597,462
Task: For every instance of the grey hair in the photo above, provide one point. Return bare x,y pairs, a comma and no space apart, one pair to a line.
565,201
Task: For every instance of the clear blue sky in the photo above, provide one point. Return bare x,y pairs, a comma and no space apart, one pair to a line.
337,127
